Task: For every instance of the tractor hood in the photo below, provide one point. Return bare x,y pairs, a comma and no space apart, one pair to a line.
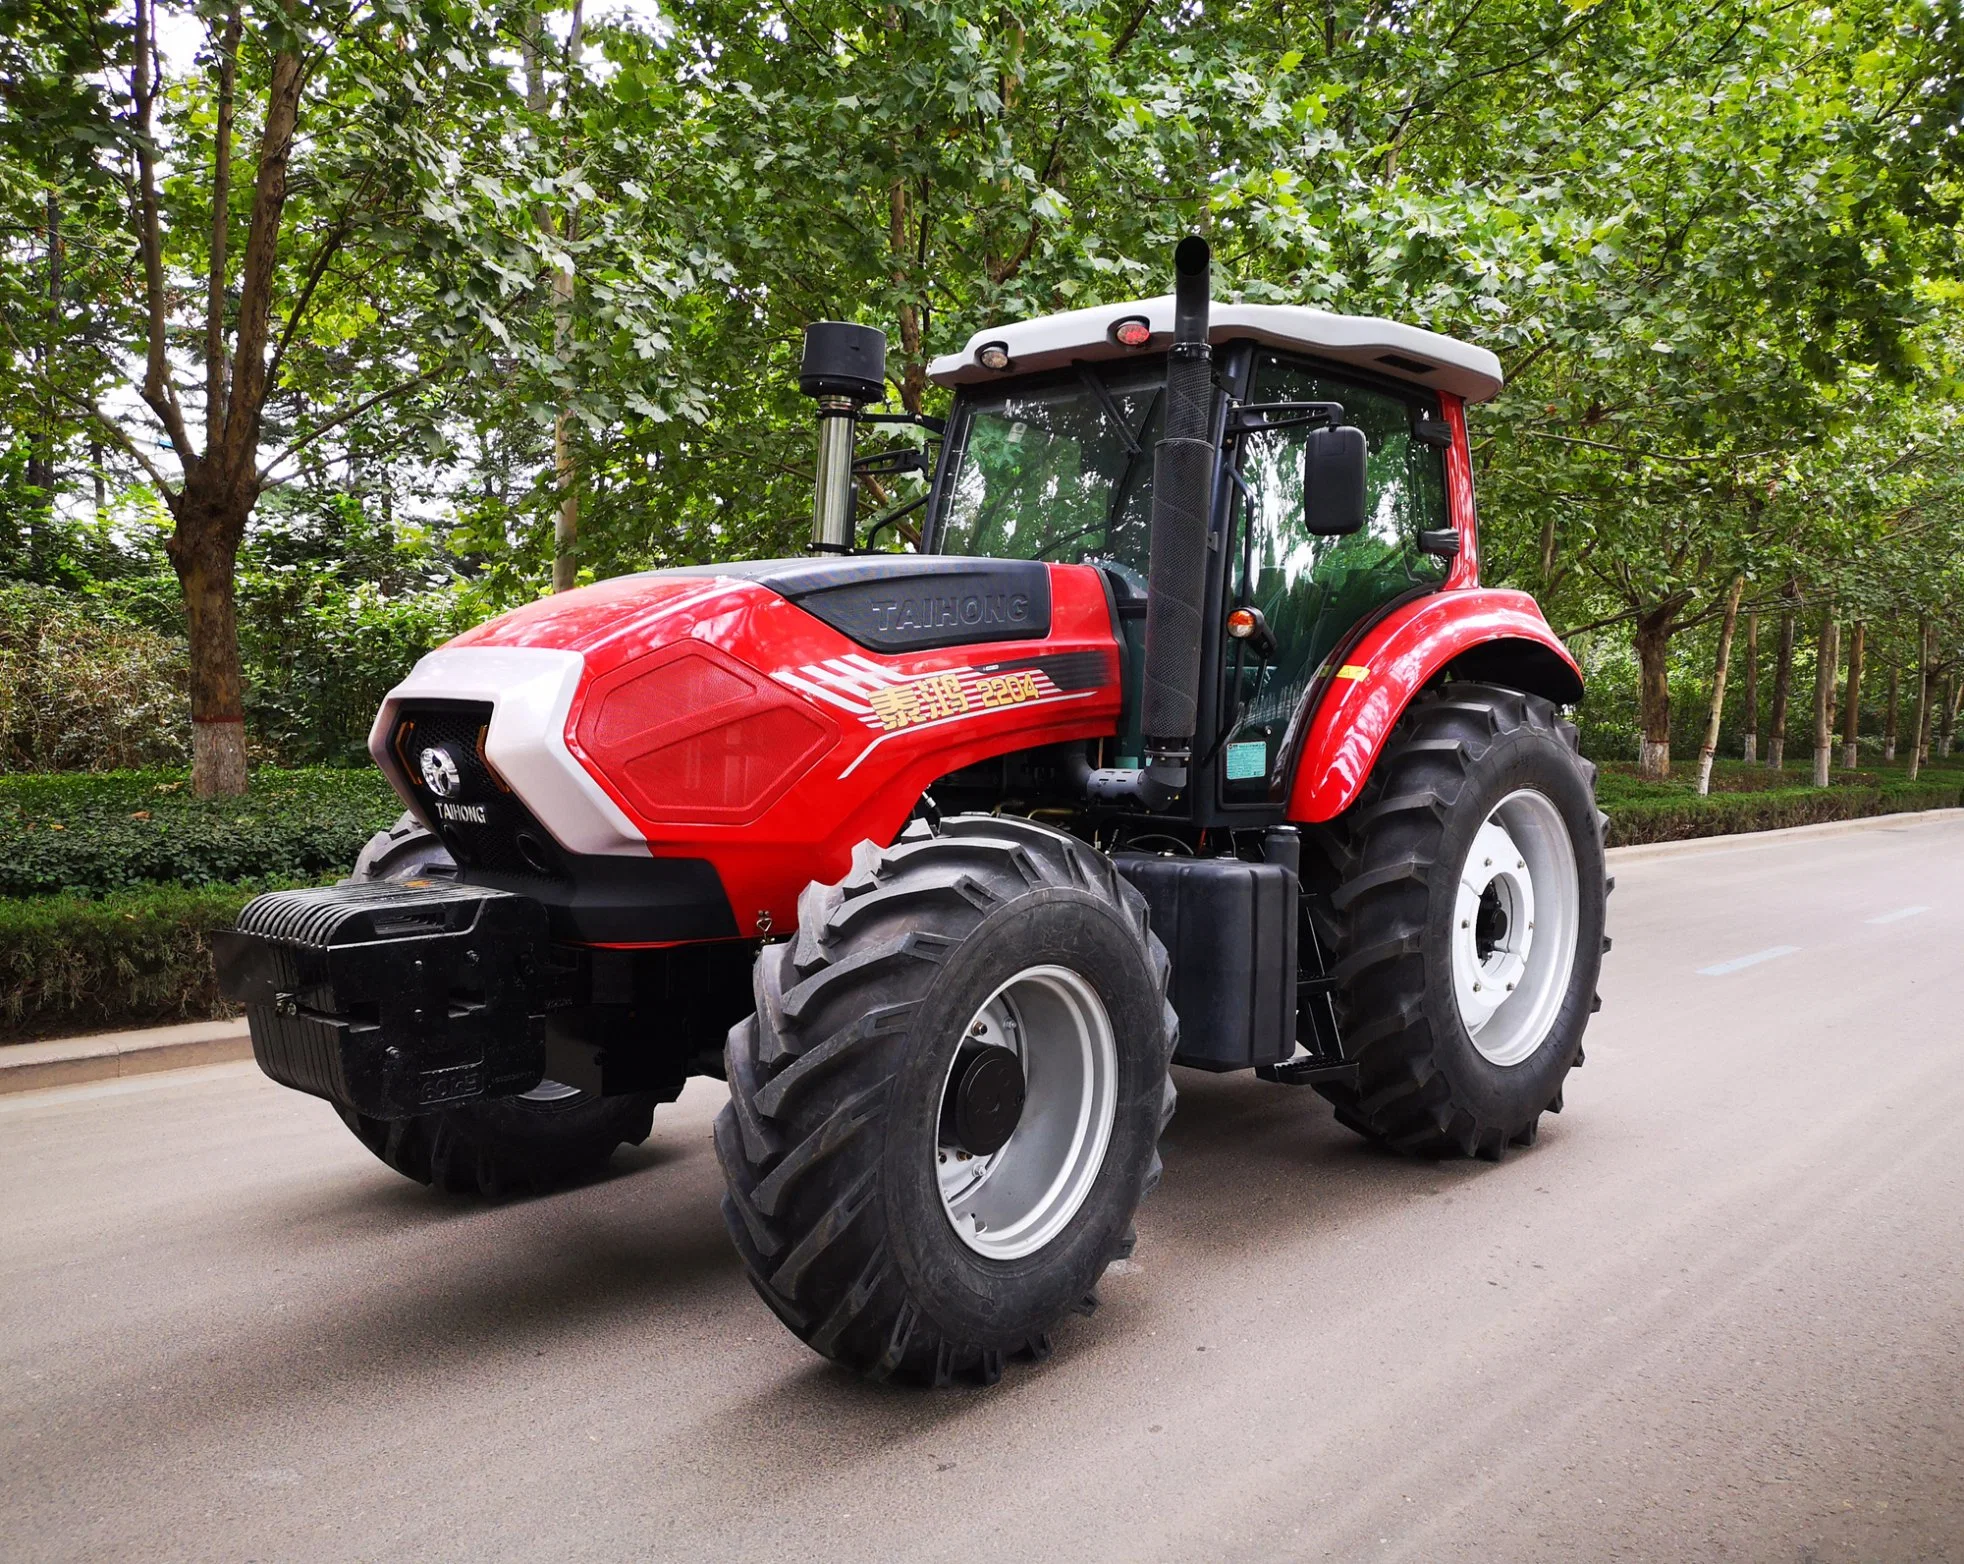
801,703
886,603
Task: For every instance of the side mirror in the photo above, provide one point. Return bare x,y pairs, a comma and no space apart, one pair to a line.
1333,481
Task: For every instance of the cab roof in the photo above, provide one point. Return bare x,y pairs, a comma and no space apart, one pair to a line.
1384,347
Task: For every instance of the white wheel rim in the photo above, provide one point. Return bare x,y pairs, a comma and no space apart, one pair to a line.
1017,1199
1515,921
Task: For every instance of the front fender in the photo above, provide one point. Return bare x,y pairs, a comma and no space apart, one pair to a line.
1497,636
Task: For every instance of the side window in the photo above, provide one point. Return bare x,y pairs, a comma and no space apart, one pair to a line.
1314,591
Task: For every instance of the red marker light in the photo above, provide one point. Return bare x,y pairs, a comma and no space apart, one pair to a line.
1242,623
1134,331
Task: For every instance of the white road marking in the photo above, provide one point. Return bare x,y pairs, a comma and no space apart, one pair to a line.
1738,962
1899,914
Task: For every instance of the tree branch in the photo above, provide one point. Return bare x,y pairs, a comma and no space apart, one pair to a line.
1130,30
330,247
248,396
1649,456
303,441
156,389
221,196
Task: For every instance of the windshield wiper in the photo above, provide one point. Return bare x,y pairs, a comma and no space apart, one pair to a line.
1102,392
1134,451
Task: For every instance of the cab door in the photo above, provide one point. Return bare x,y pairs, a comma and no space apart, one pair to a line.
1314,592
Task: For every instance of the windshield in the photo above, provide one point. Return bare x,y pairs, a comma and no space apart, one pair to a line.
1059,468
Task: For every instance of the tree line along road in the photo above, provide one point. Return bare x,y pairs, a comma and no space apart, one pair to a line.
1715,1313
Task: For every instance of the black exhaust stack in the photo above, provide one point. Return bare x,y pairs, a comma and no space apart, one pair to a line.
1182,497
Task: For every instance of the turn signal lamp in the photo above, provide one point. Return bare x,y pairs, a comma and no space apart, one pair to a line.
1243,623
1134,331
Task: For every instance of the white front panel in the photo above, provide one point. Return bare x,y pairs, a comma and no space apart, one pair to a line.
531,692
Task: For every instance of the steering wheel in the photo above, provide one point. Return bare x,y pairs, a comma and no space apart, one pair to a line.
1134,579
1069,538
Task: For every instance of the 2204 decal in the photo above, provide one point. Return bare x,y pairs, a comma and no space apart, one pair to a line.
889,701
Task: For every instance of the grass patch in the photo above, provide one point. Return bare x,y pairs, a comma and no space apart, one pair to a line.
89,834
131,958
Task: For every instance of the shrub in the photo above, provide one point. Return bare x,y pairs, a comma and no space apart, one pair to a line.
1635,820
84,687
68,964
320,659
91,834
99,680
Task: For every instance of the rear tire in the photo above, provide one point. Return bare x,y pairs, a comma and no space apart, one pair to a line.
550,1136
855,1213
1464,1017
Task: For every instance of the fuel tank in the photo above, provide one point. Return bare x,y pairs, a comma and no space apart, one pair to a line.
673,756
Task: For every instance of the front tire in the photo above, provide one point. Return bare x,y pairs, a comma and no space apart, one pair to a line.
1466,915
878,1207
550,1136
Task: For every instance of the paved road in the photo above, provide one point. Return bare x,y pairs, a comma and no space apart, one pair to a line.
1718,1313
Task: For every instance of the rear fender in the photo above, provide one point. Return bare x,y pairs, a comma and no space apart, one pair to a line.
1497,637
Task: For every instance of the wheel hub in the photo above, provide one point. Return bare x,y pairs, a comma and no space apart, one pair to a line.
1515,919
1026,1112
984,1100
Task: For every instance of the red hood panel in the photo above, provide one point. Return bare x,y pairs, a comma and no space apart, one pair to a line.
579,620
729,724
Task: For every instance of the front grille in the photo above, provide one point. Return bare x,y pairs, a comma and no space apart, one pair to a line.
509,839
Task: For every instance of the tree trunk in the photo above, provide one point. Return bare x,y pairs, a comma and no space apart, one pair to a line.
901,251
41,452
1776,728
1654,695
1926,676
204,551
1827,664
566,477
1851,706
1710,746
1751,749
566,519
1953,691
1889,716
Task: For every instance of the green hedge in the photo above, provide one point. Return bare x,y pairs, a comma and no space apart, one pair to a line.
134,958
1633,821
142,956
108,831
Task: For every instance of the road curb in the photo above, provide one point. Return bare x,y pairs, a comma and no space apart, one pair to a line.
73,1061
1740,841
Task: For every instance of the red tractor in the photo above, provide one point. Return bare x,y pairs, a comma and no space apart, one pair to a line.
1188,735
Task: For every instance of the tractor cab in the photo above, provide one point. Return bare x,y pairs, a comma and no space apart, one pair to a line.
1049,454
